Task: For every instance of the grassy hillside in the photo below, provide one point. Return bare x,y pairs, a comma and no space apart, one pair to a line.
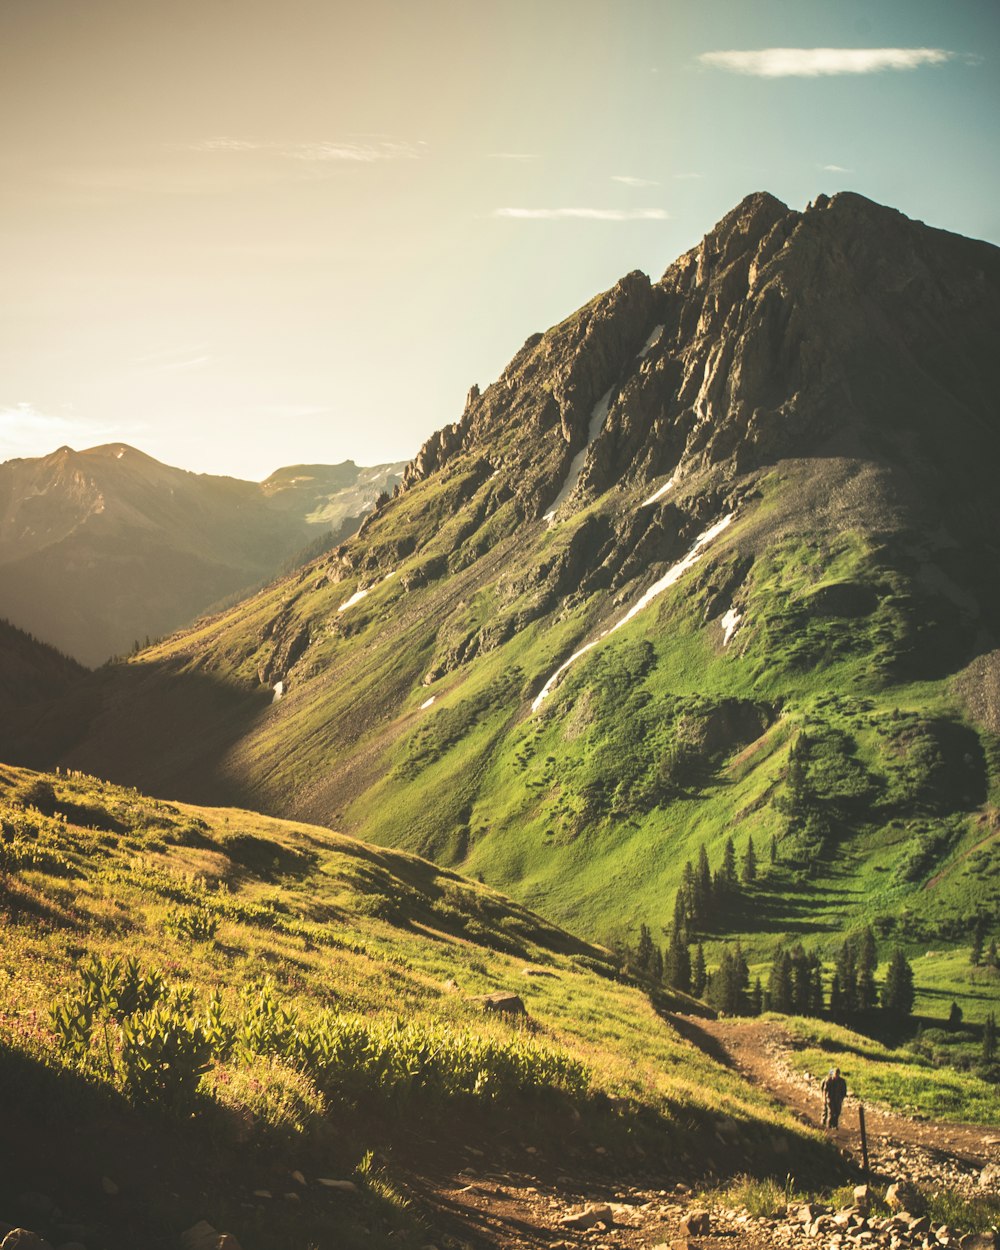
343,981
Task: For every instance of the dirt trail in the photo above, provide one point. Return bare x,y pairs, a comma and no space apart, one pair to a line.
759,1050
520,1207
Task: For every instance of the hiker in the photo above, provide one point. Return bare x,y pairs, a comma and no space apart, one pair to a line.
834,1089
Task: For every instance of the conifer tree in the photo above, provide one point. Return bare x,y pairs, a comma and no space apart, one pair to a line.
779,982
847,976
703,888
990,1038
774,849
898,993
991,954
756,998
749,874
978,941
815,985
836,996
677,966
644,952
699,974
867,994
728,871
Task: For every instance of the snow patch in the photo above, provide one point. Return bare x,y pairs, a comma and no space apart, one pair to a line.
657,494
652,341
597,419
673,574
355,598
730,623
279,690
427,702
360,594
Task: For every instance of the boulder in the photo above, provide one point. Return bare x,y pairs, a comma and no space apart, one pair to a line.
902,1196
971,1241
24,1239
593,1213
200,1236
989,1177
696,1224
862,1197
503,1002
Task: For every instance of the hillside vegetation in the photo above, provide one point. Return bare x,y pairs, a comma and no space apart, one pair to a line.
307,998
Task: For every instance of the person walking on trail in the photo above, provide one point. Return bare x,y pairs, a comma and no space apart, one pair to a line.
834,1089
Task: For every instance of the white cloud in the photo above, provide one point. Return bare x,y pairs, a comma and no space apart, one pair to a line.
628,181
836,169
224,144
364,153
359,151
586,214
818,62
24,431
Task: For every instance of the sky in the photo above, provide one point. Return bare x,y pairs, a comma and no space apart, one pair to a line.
240,234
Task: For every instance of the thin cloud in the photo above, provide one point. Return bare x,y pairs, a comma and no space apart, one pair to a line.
836,169
583,214
223,144
24,431
628,181
363,151
180,366
821,62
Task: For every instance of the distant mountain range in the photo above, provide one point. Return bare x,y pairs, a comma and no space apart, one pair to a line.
714,557
106,547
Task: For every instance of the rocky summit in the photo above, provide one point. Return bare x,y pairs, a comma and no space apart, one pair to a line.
713,556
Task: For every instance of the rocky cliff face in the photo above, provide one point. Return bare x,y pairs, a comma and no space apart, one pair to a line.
699,517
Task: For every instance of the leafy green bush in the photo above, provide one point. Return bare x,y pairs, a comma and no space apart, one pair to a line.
150,1043
197,924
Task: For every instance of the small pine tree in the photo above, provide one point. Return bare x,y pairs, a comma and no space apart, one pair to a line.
644,952
867,994
756,998
954,1016
677,965
727,873
779,983
774,849
991,954
897,993
749,874
699,974
990,1038
978,941
703,888
836,996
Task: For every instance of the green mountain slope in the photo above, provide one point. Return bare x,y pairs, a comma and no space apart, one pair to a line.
757,497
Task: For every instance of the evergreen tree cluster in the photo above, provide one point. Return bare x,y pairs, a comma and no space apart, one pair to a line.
795,984
705,897
853,986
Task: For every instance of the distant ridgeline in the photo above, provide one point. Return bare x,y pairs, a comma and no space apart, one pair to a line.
103,548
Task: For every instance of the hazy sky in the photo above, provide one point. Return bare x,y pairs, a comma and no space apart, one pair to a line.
247,233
